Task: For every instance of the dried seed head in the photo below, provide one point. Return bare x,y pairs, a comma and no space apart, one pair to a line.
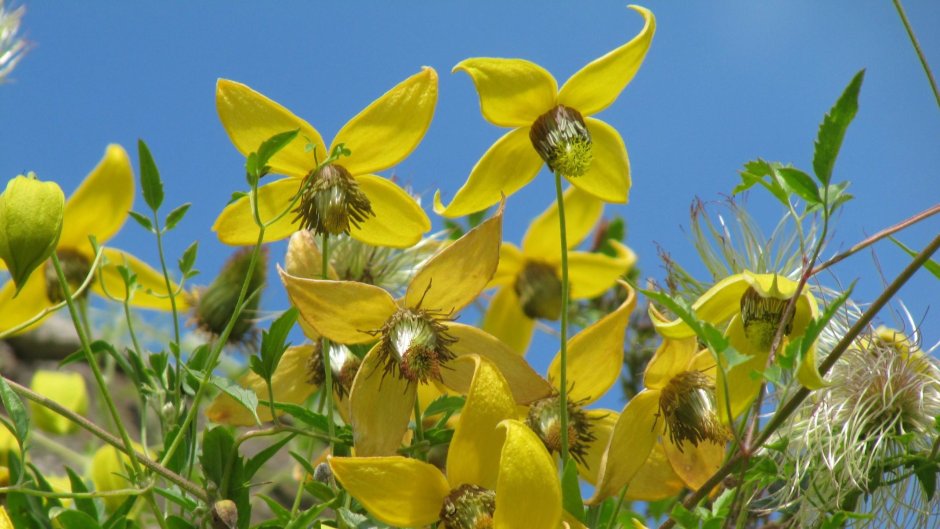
224,515
687,404
761,316
331,200
539,290
544,419
415,345
215,304
469,507
75,266
562,139
344,365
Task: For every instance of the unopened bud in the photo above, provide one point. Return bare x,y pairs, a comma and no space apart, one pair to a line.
224,515
30,224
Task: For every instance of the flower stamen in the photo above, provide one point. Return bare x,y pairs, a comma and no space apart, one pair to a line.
415,345
331,200
562,139
539,291
688,405
469,507
544,419
761,316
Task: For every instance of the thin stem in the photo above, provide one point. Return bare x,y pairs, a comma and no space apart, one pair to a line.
563,355
920,53
177,391
613,517
325,348
79,495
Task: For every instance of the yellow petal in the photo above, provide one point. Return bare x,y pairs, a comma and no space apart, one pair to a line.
505,320
380,406
630,445
150,280
65,388
100,204
595,355
526,385
671,358
250,118
5,522
450,280
656,480
303,258
109,468
31,301
808,373
399,221
236,226
510,263
290,383
395,490
740,387
473,456
591,274
694,464
608,177
527,492
507,166
716,305
582,211
599,83
344,311
513,92
602,426
391,127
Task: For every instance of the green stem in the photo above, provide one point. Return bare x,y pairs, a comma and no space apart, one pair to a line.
325,349
613,517
177,391
419,431
563,354
920,53
78,495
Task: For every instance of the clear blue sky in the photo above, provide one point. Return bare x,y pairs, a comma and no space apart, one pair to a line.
720,86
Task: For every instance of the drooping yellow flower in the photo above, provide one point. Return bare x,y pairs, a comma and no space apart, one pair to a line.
110,468
498,473
64,388
529,280
343,196
417,337
98,208
551,125
668,432
753,306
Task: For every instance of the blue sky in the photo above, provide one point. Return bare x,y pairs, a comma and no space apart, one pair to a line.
720,86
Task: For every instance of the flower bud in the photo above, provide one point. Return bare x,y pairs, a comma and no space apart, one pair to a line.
224,515
66,389
30,224
214,305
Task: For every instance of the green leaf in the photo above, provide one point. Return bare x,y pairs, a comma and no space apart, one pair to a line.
188,259
302,414
86,505
258,460
615,230
174,495
306,518
272,145
242,395
75,520
150,182
308,467
445,404
174,217
833,127
175,522
217,447
926,472
273,342
801,184
118,518
761,172
17,412
571,491
142,220
930,264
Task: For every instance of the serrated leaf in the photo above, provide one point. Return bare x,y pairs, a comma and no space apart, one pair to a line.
932,266
571,491
150,183
16,411
188,259
833,127
242,395
801,184
144,221
174,217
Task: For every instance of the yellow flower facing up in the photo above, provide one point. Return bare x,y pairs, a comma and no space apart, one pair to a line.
529,279
417,337
340,197
98,208
551,125
498,473
753,306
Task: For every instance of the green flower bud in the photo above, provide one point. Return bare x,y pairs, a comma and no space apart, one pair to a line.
30,224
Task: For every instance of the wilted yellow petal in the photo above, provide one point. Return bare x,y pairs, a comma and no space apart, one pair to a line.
694,464
599,83
380,405
608,177
513,92
250,118
473,456
543,238
527,492
100,204
591,274
150,280
65,388
505,320
236,225
507,166
399,221
343,311
386,131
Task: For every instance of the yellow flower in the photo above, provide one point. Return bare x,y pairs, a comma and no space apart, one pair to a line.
520,94
754,304
529,280
669,435
98,208
64,388
343,196
417,337
110,469
498,473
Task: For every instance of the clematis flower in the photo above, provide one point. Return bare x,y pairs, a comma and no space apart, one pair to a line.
498,473
754,304
417,337
550,125
529,280
676,411
64,388
98,208
340,197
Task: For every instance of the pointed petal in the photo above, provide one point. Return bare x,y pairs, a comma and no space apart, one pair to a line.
608,178
473,456
505,320
597,85
381,406
387,130
694,464
236,226
510,263
671,358
31,301
656,480
399,221
377,483
250,118
602,426
595,355
526,385
716,305
290,383
303,258
527,492
344,311
513,92
593,273
100,204
450,281
152,294
582,211
630,444
505,168
808,373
